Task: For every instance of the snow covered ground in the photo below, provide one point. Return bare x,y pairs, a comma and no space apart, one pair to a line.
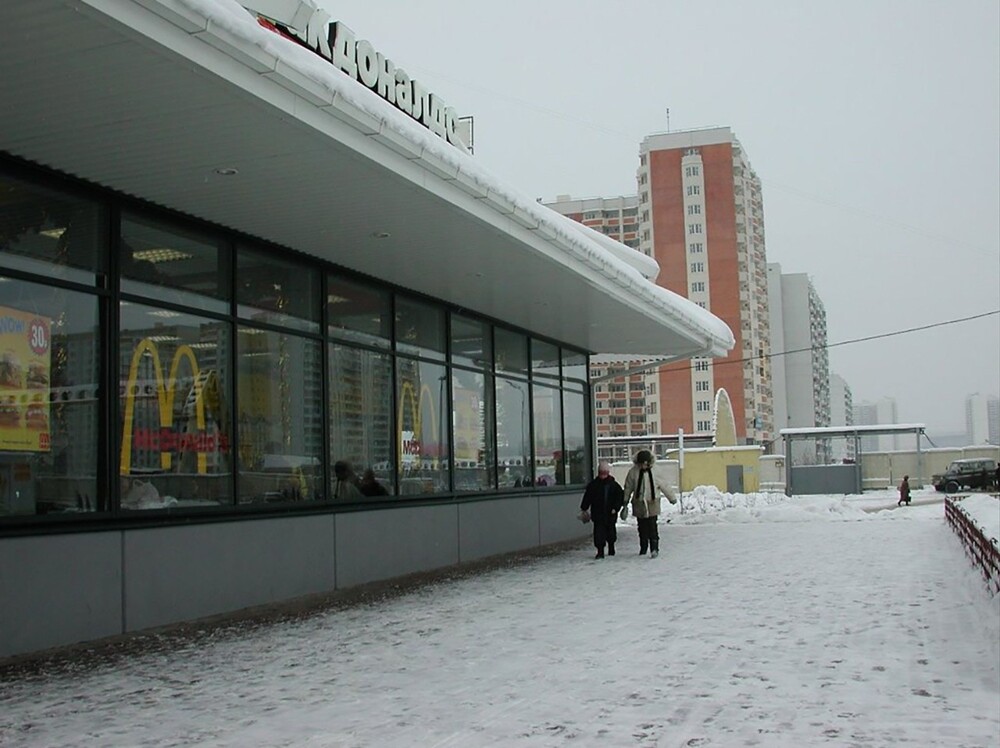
765,621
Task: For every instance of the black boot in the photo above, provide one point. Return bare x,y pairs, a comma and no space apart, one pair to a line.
611,549
600,553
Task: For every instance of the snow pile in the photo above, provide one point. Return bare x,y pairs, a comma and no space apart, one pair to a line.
709,505
984,511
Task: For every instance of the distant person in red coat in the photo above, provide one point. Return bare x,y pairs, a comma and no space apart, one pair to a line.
904,492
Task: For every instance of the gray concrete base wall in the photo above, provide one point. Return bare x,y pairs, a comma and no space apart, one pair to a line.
57,590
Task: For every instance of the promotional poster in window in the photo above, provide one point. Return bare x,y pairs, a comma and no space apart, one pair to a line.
24,381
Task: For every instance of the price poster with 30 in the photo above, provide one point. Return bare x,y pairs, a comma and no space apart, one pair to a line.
25,360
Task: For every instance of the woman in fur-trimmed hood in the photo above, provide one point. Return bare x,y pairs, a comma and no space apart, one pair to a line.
643,490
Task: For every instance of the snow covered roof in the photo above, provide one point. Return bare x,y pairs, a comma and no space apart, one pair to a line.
153,98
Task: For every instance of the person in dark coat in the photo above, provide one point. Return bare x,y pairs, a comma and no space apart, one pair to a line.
603,498
904,492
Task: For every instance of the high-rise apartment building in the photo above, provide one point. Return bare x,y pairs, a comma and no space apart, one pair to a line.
800,366
701,217
982,419
883,412
621,406
841,414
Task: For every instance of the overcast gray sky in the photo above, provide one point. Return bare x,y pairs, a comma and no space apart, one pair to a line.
874,127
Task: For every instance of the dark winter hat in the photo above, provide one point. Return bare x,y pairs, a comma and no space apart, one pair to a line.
644,455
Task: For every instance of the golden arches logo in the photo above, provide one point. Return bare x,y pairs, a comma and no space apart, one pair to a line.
408,393
165,395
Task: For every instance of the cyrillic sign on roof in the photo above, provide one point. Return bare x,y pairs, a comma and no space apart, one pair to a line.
309,26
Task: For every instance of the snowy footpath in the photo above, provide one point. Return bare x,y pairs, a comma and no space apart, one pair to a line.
819,621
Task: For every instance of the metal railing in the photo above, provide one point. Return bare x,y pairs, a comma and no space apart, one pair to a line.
984,552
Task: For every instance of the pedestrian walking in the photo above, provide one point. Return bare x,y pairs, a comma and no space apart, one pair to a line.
904,492
643,491
603,498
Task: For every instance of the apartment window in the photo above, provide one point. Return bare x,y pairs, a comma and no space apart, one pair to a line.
701,304
701,386
703,405
696,247
692,171
645,216
694,228
701,365
698,286
697,267
704,426
694,189
694,210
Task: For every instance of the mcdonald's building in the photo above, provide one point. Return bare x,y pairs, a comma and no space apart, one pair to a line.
268,329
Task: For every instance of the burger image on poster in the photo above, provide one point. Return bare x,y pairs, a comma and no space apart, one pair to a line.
36,417
10,415
11,374
38,376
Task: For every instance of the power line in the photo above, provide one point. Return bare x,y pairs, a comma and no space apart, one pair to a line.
827,346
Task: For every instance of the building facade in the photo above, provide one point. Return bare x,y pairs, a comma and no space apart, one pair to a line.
797,311
880,413
255,264
841,414
701,217
982,419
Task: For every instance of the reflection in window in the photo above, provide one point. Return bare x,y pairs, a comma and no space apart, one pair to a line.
185,267
473,429
361,422
511,350
49,413
420,328
174,404
280,397
422,426
576,465
43,231
574,365
548,436
470,342
544,359
269,289
513,410
358,312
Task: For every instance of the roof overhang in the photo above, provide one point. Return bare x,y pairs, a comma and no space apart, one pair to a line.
151,97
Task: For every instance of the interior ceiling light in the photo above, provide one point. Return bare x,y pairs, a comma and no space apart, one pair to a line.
161,254
380,235
227,171
53,233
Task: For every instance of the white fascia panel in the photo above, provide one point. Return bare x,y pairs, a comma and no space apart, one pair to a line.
500,203
345,111
439,167
176,13
301,85
392,139
223,40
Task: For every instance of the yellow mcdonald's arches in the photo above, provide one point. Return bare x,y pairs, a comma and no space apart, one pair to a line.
407,391
725,422
165,399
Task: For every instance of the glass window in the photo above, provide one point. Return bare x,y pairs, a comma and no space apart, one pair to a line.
470,342
42,231
280,292
361,423
547,416
49,412
513,426
175,409
419,328
574,365
473,429
422,426
170,264
576,465
511,350
544,359
280,426
358,312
